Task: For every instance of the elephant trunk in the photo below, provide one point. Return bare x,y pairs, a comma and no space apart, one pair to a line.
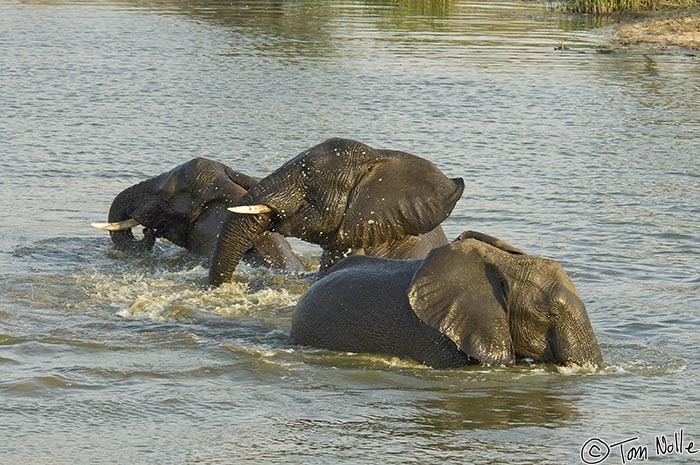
234,240
124,207
279,196
574,342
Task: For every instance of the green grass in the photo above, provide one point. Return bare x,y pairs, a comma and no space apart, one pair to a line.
604,7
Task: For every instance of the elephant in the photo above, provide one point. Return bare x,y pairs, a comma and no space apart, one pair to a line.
407,248
344,196
477,300
187,205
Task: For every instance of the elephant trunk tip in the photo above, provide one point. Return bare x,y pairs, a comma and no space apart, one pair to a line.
125,240
586,361
571,367
217,279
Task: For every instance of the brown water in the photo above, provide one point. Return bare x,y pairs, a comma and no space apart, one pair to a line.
587,157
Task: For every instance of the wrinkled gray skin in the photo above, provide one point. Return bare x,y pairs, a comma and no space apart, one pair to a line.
407,248
476,300
344,196
187,206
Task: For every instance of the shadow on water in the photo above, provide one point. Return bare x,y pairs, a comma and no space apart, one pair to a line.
499,409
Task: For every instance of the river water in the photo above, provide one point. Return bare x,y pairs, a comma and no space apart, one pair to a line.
569,150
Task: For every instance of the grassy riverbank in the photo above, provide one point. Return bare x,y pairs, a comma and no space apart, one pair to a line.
655,23
606,7
675,28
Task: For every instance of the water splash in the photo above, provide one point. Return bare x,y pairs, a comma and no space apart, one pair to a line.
167,296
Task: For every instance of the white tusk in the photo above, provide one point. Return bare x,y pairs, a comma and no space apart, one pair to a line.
121,225
251,209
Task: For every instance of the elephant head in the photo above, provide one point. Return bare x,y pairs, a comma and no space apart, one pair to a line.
497,304
340,194
187,205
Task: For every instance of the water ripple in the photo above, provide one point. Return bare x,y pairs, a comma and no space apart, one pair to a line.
568,153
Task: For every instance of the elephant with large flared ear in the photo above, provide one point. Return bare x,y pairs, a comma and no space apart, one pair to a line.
476,300
342,195
187,205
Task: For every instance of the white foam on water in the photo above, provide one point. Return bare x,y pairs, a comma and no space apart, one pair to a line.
181,295
576,369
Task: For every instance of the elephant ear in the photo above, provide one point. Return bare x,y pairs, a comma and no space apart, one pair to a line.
461,295
177,198
490,240
198,185
243,180
398,196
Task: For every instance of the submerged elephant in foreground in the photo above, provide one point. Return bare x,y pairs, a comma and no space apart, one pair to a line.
187,206
476,300
344,196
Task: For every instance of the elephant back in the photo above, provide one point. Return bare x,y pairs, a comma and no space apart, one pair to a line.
362,306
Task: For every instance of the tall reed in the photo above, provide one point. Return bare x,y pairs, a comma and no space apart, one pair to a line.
603,7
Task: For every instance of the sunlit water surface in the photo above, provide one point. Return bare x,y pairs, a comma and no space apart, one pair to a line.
585,154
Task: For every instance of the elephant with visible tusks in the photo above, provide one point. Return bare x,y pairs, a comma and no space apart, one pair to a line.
346,197
475,300
187,205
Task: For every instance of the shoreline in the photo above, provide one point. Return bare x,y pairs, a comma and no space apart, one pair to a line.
661,30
